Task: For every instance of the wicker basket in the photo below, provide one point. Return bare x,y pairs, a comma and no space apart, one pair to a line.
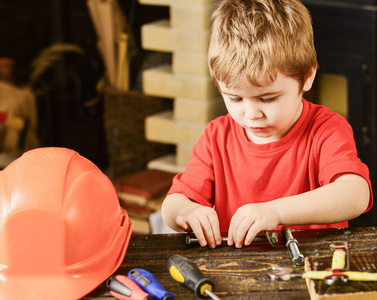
125,113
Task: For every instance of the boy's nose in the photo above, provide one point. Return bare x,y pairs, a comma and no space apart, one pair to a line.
252,111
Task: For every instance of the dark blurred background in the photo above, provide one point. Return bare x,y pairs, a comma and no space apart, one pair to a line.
345,38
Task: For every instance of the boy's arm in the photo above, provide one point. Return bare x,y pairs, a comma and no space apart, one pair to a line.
344,199
180,213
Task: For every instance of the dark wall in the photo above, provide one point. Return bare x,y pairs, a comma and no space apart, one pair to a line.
24,31
27,27
345,35
64,89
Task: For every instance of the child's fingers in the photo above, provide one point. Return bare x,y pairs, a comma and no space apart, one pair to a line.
230,232
198,231
230,237
236,234
183,223
205,225
254,229
206,230
215,229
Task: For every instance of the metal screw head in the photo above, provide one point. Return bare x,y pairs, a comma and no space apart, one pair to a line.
298,260
272,238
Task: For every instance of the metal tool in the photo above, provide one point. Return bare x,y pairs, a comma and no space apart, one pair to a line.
121,287
340,261
337,272
284,273
342,246
271,238
188,274
149,284
337,265
292,245
348,245
334,276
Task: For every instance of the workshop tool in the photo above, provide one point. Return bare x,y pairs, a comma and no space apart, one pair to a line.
337,265
348,245
188,274
338,271
284,273
292,245
149,284
341,250
123,288
271,238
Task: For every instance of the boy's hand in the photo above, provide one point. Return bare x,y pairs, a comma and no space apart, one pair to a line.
204,223
249,220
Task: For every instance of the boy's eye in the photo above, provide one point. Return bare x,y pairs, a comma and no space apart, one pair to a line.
267,100
235,99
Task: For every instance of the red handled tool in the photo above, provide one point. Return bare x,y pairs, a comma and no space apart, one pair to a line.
124,288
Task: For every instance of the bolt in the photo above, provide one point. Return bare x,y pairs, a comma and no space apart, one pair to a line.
292,245
270,238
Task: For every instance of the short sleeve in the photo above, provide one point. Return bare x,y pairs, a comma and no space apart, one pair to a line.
337,154
197,181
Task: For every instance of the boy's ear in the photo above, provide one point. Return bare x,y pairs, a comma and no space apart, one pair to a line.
309,81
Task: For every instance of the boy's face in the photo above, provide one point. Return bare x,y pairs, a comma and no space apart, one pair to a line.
267,113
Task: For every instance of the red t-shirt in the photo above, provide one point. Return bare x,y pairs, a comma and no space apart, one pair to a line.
227,171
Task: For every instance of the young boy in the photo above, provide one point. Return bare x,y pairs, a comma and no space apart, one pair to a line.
275,159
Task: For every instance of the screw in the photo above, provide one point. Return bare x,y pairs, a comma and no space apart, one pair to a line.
270,238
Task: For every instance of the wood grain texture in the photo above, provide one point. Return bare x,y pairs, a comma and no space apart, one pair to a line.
236,273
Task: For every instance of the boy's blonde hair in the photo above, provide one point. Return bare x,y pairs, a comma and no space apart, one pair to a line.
255,39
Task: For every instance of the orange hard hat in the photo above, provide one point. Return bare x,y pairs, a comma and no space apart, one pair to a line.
62,230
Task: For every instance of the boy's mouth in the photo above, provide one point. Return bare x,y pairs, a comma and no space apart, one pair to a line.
258,129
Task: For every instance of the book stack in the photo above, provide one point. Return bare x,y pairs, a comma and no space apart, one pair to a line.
142,194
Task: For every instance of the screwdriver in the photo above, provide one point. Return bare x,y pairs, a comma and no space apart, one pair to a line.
149,284
123,288
188,274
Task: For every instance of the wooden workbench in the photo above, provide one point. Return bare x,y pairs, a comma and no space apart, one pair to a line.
236,273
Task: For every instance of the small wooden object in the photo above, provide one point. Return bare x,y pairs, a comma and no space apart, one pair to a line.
360,290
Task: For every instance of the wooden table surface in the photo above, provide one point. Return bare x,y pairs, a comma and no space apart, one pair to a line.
236,273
